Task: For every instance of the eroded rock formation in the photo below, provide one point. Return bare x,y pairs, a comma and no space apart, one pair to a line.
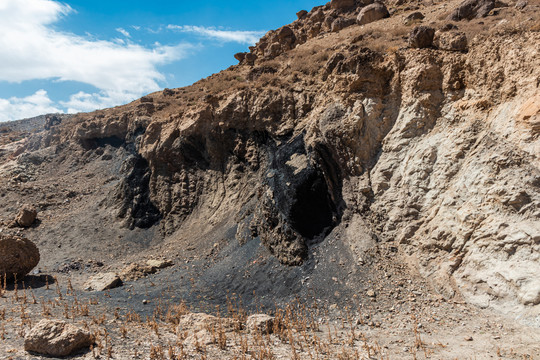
433,150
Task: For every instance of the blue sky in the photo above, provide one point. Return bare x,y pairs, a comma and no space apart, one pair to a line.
80,55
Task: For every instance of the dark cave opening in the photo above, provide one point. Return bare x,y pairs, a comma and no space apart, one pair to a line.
94,143
313,211
308,196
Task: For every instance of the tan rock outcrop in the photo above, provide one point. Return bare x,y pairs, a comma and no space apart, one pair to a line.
451,40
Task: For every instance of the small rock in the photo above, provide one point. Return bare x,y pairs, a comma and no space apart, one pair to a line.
520,5
411,18
26,217
136,271
301,14
421,37
371,13
56,338
260,323
370,293
468,338
145,301
159,263
240,56
102,282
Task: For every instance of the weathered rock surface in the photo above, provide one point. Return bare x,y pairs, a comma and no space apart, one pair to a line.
260,323
26,216
200,328
340,24
470,9
421,37
18,256
371,13
102,282
451,40
56,338
319,135
136,271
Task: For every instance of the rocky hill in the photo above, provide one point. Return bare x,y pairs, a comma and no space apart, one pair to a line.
361,146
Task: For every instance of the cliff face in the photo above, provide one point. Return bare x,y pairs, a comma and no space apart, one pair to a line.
433,151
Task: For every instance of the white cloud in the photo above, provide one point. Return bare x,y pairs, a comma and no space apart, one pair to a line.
123,32
21,108
243,37
31,48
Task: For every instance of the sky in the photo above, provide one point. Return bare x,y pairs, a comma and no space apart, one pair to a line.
79,55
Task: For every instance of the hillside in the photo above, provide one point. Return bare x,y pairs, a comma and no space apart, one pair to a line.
342,163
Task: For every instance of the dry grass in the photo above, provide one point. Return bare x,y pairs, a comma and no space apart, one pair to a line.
298,331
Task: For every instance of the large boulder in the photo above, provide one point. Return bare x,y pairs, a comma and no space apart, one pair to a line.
470,9
421,37
284,33
56,338
18,256
372,13
26,216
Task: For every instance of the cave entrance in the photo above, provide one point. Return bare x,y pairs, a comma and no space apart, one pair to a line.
313,211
